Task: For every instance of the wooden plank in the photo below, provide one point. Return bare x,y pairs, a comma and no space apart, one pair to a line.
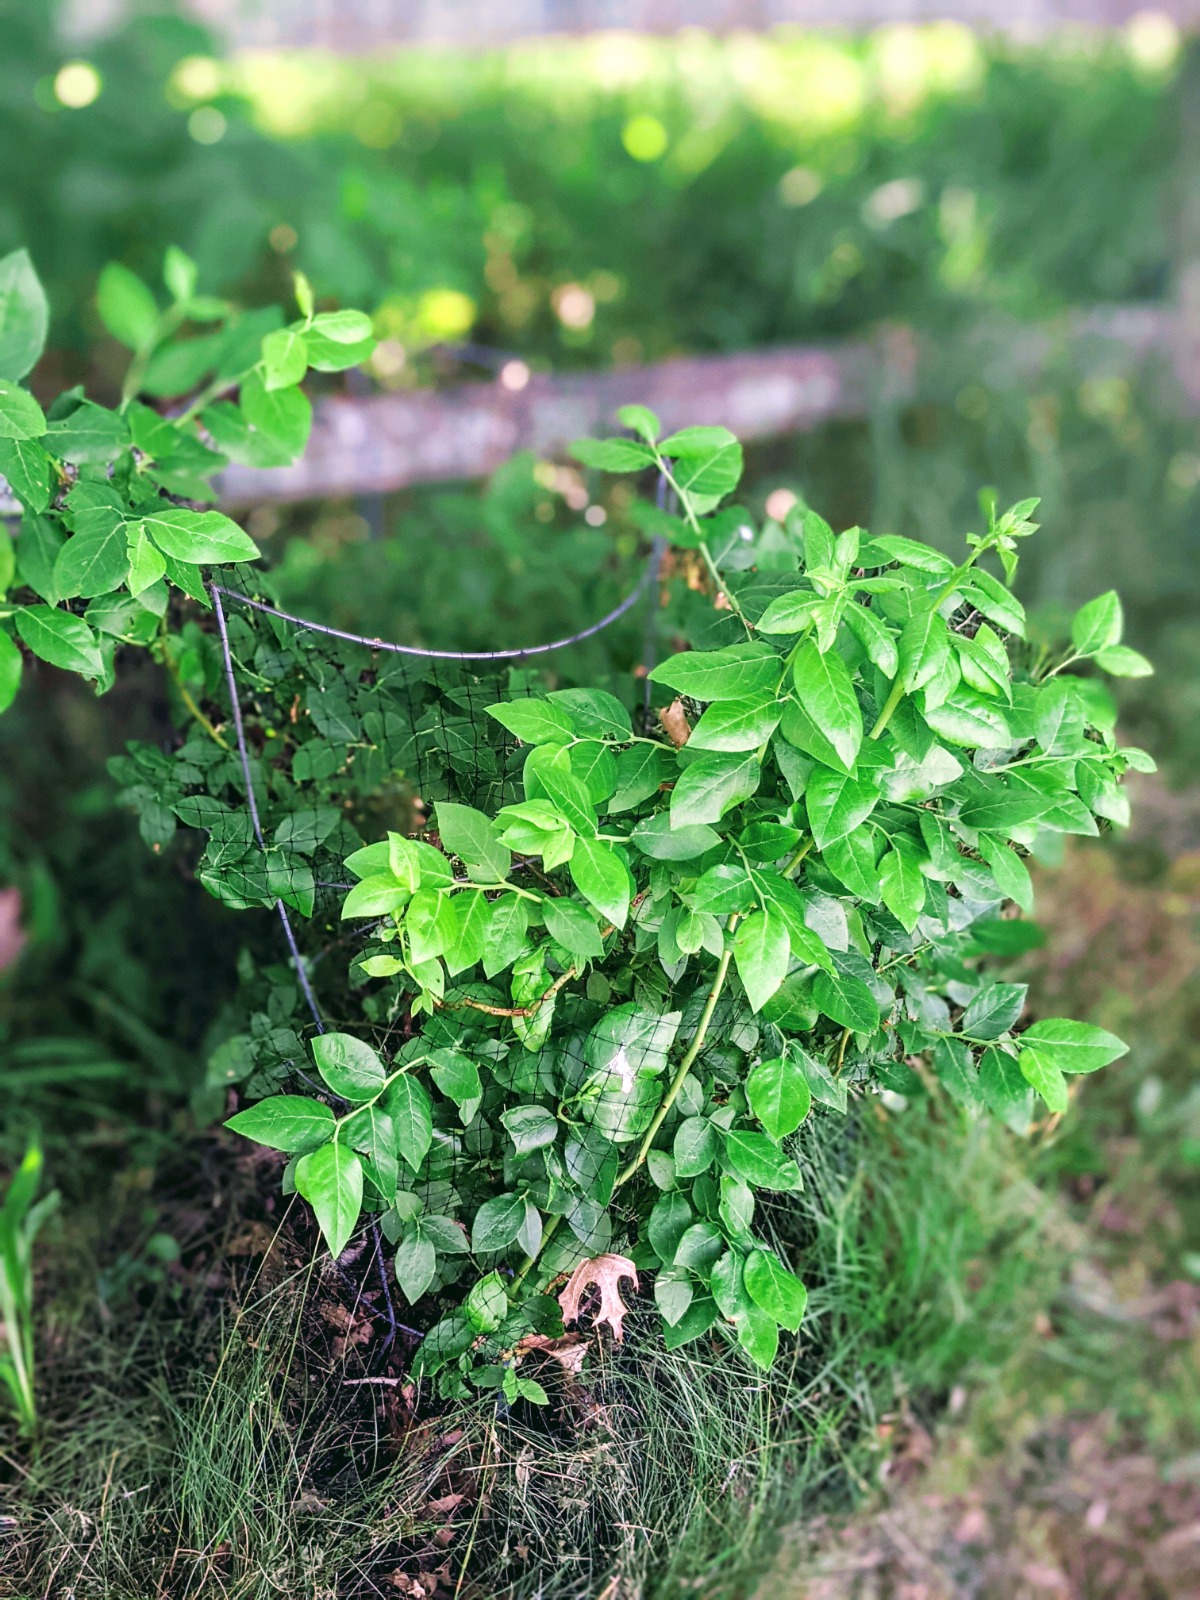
382,442
349,27
378,443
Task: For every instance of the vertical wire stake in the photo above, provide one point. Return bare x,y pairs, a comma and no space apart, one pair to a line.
289,932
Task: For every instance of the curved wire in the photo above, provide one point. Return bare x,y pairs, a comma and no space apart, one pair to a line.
630,600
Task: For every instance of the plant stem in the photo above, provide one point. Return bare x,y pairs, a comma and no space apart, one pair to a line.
681,1072
522,1271
889,705
173,672
798,857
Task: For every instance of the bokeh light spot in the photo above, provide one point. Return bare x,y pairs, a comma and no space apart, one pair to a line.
77,84
644,137
207,125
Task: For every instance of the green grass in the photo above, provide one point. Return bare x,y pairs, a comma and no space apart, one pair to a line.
191,1447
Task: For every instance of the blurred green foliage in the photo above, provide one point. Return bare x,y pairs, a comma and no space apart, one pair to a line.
613,197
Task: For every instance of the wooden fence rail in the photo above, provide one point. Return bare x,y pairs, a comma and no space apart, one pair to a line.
378,443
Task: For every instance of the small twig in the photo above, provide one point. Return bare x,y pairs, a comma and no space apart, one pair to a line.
510,1011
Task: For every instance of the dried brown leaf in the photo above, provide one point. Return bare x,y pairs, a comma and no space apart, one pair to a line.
569,1351
605,1273
675,723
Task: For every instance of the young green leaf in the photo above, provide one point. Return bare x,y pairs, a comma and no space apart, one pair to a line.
288,1122
761,951
199,538
1046,1077
826,693
534,721
497,1222
20,415
407,1103
331,1180
774,1289
603,879
1098,625
61,639
1073,1046
350,1067
779,1095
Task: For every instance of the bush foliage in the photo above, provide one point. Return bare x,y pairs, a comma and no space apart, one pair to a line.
594,995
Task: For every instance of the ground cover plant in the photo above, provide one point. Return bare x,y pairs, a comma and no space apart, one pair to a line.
777,899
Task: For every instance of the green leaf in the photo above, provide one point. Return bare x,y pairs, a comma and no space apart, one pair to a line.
791,613
779,1095
967,719
723,889
286,1122
994,1010
11,667
415,1264
640,419
146,563
1073,1046
407,1103
61,639
603,879
1098,625
852,861
712,785
902,883
1010,872
468,833
826,693
504,939
955,1067
669,1220
1001,1080
846,1000
127,308
761,951
705,469
836,803
760,1161
734,725
908,552
1119,661
281,416
96,559
331,1180
431,925
530,1127
350,1067
498,1222
640,771
24,315
534,721
457,1076
285,358
20,415
657,838
739,672
774,1289
343,327
548,776
612,455
574,928
1046,1077
376,896
1059,718
199,537
695,1147
924,648
28,470
672,1296
878,642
